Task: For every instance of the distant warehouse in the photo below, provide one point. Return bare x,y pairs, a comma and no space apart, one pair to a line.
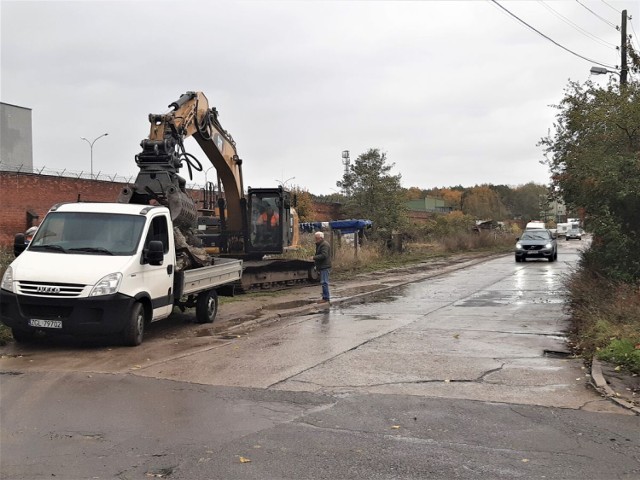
16,148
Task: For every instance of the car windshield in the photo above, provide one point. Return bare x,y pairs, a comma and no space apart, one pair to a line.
89,233
531,235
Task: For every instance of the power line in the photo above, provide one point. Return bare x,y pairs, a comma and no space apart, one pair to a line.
578,27
552,40
603,19
612,8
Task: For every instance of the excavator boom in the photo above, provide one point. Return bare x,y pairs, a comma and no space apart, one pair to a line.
262,223
163,155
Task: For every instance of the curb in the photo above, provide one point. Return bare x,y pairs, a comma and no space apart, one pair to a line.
600,384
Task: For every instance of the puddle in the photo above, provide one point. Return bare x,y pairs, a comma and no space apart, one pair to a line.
556,353
359,318
287,305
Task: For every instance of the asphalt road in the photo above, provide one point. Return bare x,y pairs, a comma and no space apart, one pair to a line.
462,375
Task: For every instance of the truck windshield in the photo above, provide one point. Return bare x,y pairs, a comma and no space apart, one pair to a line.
89,233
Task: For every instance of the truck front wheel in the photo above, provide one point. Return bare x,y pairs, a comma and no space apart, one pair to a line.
134,331
207,307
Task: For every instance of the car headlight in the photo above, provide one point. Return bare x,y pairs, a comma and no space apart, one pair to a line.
518,246
548,245
108,285
7,280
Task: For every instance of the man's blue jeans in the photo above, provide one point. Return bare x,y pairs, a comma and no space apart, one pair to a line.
324,280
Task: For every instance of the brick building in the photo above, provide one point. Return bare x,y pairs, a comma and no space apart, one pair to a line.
25,198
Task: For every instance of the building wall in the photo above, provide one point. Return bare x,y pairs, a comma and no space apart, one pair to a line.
25,193
428,204
16,147
24,196
326,212
416,217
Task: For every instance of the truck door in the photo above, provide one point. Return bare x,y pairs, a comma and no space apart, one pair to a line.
158,279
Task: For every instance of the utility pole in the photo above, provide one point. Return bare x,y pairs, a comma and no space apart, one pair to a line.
623,49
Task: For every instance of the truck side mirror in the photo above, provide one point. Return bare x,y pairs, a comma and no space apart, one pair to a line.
154,254
18,244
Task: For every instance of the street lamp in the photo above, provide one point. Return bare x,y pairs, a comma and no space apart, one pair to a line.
205,174
602,71
91,145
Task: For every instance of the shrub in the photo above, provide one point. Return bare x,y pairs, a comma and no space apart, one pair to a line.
6,257
605,318
624,353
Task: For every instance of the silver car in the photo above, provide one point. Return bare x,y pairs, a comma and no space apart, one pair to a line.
538,243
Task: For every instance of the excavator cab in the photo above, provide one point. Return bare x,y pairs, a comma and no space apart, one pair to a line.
270,223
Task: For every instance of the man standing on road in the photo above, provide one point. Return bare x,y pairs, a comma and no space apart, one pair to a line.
322,259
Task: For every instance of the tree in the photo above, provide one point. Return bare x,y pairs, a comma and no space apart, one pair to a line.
528,201
414,193
374,193
594,158
304,204
483,203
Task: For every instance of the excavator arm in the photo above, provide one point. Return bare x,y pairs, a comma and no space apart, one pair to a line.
240,230
163,155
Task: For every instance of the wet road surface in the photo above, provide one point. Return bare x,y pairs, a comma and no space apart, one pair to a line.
458,376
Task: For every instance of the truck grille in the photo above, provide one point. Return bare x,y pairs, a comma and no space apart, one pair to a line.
42,289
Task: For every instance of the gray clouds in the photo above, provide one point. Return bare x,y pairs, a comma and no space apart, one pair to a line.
454,92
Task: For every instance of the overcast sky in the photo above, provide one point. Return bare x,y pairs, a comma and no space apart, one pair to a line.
453,92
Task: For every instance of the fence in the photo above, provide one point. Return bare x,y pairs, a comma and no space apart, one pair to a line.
57,172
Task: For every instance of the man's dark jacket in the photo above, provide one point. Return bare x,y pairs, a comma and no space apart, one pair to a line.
322,258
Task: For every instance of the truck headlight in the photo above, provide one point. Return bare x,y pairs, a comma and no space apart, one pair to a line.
7,280
108,285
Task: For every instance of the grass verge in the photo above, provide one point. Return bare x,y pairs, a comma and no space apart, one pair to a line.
605,319
374,256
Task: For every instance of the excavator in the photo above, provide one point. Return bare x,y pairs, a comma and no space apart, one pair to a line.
251,227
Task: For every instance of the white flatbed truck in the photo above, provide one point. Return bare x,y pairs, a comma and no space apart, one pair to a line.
106,268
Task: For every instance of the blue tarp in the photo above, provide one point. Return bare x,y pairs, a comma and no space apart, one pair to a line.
344,226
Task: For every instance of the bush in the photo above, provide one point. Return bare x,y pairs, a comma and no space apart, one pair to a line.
483,240
6,257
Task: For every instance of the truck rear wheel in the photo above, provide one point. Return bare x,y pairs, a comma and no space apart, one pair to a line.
134,331
207,306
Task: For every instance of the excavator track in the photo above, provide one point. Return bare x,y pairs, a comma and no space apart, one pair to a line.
275,274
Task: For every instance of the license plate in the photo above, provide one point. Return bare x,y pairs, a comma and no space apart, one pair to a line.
34,322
